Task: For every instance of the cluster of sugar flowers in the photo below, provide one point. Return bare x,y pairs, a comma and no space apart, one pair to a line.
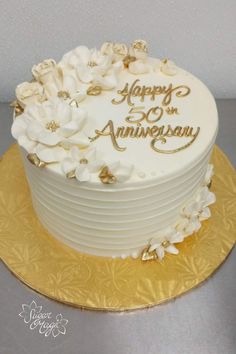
135,58
196,211
55,132
49,122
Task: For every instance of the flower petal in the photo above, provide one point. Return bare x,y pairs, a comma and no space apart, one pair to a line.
172,249
78,139
154,247
205,214
68,165
82,173
176,237
69,129
95,166
33,130
160,251
52,154
84,74
138,67
49,138
26,143
106,82
18,127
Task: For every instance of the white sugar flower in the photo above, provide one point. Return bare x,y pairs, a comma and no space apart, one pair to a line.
196,212
92,66
208,175
188,225
28,93
168,67
67,87
170,236
82,163
139,49
121,170
199,207
50,127
44,71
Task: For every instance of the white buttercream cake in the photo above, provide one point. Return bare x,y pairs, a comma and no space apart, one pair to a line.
116,149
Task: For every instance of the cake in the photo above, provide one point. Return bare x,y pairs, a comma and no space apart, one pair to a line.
116,147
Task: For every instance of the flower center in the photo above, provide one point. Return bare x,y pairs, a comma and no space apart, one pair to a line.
165,244
92,63
83,161
52,126
63,94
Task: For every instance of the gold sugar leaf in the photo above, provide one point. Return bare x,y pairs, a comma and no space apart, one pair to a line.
35,160
127,60
18,109
94,90
148,255
106,176
71,174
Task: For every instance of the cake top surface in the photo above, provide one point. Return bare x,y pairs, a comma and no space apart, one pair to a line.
114,116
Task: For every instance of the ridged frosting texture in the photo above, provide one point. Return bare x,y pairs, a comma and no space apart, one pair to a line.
106,221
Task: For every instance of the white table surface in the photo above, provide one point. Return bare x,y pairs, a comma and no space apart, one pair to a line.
200,322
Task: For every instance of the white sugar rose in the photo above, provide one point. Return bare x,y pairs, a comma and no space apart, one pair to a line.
43,72
49,128
107,48
140,65
29,93
120,50
139,49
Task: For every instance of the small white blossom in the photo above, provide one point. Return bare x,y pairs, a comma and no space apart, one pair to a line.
169,237
82,162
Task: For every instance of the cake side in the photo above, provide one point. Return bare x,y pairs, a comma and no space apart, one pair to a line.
114,222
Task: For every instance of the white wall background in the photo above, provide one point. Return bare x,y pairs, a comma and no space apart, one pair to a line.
200,35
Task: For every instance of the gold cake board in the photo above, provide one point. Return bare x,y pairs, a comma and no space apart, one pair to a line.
99,283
